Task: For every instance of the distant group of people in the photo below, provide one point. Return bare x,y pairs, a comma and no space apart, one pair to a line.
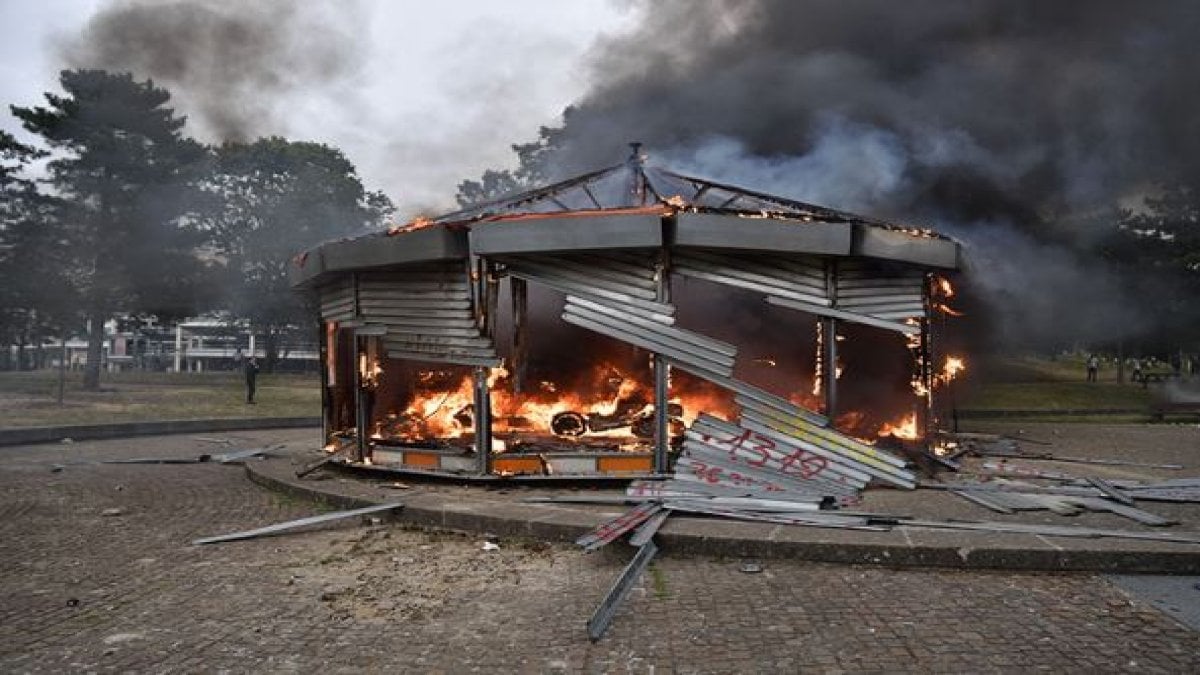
1184,366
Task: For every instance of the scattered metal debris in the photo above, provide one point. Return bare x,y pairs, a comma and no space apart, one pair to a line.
340,452
603,616
302,522
611,530
751,567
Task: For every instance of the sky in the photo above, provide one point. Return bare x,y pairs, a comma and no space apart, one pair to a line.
436,92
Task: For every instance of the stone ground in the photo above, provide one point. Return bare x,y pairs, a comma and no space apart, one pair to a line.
85,591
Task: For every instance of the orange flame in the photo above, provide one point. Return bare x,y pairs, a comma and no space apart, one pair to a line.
905,428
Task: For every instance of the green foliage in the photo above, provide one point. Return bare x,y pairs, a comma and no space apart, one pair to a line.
533,170
122,172
266,201
1161,244
34,298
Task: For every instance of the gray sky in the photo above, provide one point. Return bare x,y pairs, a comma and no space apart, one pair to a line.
442,92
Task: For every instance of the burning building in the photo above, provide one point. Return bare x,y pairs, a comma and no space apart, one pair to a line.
582,329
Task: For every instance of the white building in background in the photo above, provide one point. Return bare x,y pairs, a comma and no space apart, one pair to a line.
192,345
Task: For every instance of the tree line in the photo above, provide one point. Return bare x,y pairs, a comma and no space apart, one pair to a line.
131,217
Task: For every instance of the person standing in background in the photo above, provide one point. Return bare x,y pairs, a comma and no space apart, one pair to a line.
251,377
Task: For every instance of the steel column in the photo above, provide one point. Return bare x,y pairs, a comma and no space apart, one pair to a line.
829,344
662,394
926,361
483,421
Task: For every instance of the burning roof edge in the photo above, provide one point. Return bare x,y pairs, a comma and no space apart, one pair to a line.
631,205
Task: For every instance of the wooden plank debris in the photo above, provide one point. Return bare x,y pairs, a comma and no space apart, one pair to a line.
302,522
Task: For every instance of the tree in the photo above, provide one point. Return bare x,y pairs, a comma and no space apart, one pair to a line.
34,298
533,170
1161,244
268,201
122,175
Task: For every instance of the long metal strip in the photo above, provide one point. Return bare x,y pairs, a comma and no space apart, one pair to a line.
583,307
762,269
582,275
747,390
302,522
598,294
652,342
646,531
600,269
610,530
603,616
811,297
425,348
681,485
414,303
704,466
821,310
806,519
1051,530
457,359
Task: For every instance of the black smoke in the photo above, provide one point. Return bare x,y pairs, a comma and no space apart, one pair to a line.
235,67
1008,123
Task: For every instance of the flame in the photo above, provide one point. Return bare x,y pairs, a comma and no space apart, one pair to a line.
418,223
905,428
940,294
953,366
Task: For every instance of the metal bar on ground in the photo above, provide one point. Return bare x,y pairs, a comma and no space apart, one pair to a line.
302,522
1110,491
610,530
603,616
646,531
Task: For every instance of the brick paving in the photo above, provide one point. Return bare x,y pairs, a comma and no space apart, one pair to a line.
82,591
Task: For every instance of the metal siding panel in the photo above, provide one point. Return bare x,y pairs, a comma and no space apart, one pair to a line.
734,232
567,234
876,242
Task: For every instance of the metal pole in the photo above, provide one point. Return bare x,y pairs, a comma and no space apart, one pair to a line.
360,411
925,361
662,376
829,344
483,421
323,333
178,346
520,301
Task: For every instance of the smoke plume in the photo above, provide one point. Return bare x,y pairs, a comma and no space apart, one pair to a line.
998,120
236,66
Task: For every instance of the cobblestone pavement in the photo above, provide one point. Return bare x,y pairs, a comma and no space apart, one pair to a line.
85,591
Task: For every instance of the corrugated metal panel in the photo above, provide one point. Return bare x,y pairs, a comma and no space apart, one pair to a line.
800,280
685,346
786,422
781,465
337,300
881,293
603,280
427,314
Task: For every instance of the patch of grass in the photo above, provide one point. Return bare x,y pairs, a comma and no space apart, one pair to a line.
1037,384
659,580
1051,395
30,398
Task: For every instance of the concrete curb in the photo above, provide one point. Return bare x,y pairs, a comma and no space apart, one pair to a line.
724,538
79,432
